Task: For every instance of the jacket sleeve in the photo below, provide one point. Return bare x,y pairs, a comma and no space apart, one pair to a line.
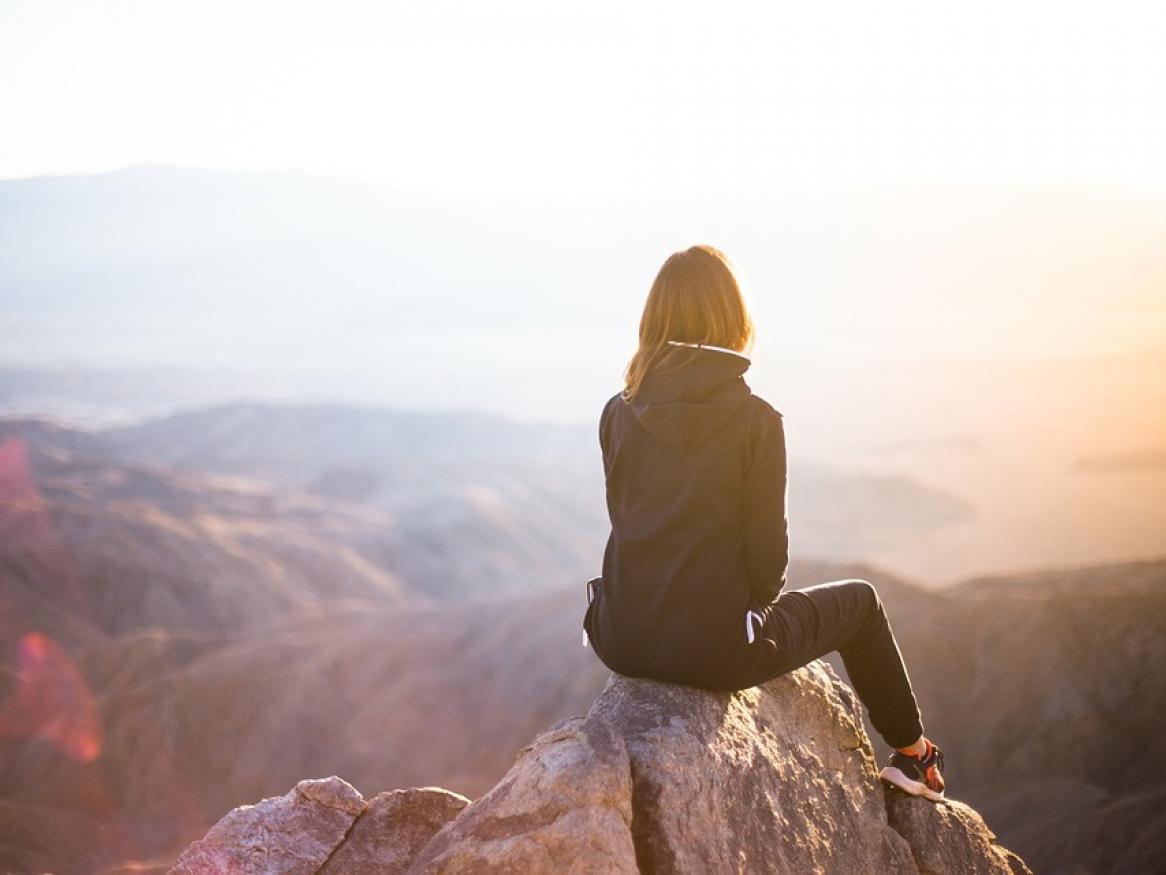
766,512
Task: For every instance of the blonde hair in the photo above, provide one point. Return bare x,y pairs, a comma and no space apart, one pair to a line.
695,298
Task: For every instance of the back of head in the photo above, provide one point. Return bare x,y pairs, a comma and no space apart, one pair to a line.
695,298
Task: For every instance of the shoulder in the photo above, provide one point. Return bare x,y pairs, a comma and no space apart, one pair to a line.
605,416
611,403
762,411
765,431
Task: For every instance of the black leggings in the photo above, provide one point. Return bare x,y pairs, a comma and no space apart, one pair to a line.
802,625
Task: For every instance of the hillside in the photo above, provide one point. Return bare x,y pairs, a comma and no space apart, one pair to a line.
1027,680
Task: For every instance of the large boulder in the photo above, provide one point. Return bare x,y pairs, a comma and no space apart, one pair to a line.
777,778
656,777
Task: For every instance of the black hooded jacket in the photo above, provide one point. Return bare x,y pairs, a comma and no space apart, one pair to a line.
696,482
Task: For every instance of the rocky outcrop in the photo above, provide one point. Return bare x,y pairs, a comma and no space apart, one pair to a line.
657,777
326,826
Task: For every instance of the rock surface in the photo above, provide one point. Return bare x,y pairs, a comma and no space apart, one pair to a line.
777,778
967,846
393,827
565,806
657,777
323,825
294,833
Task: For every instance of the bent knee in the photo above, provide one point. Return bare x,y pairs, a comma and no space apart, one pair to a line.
868,593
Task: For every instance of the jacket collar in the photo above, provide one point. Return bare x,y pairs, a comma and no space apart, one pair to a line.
708,346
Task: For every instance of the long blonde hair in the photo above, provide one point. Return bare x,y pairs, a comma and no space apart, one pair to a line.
695,298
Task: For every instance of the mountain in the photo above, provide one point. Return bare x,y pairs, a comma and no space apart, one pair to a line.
1075,656
119,548
452,504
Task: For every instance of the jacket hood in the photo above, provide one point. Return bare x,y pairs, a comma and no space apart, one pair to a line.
684,406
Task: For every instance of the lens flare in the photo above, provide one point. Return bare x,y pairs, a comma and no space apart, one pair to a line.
52,700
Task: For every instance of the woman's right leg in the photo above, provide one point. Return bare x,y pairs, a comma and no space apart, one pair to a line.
848,616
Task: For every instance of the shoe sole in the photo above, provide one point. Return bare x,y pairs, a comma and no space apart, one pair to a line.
915,788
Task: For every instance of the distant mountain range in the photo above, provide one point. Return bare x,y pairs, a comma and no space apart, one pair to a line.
448,504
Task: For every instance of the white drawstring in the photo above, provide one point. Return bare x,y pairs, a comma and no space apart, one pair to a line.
735,352
750,616
590,598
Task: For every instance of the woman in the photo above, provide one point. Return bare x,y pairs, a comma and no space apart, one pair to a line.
692,589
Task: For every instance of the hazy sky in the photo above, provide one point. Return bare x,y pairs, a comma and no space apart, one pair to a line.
589,99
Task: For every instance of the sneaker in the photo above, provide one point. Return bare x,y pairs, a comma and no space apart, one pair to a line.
919,776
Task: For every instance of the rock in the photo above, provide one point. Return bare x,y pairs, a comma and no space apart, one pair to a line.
326,826
778,778
393,827
565,806
967,844
657,777
291,834
770,779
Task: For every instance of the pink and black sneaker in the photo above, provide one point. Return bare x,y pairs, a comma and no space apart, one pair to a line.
919,776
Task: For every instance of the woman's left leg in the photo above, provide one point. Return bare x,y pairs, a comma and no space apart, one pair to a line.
847,616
